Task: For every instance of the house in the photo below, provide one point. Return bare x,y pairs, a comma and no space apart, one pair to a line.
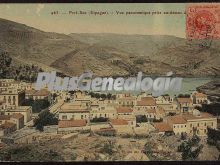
151,114
26,111
192,123
74,111
167,103
18,119
42,94
178,124
164,99
5,84
68,126
127,114
121,126
125,100
7,128
162,128
4,118
199,98
80,96
103,111
198,122
184,104
15,118
12,97
145,103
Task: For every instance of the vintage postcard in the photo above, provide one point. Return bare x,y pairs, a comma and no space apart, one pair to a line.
109,82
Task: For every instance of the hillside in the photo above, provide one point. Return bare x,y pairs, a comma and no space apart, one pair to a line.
108,54
30,45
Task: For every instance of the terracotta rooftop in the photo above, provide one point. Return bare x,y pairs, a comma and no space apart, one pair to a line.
42,92
7,125
203,115
71,123
184,100
162,127
17,115
146,101
73,107
5,117
124,110
198,94
177,119
119,122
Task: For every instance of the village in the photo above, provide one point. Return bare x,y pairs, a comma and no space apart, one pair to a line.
110,115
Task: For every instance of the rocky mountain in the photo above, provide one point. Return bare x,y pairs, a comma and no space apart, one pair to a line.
109,54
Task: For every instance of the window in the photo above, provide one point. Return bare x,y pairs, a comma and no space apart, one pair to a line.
198,124
174,126
64,117
205,123
190,125
81,116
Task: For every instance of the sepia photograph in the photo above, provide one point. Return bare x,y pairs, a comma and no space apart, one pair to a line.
109,82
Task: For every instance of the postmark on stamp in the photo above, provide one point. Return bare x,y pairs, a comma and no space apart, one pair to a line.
203,21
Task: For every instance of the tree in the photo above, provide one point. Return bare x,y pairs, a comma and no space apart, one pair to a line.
100,119
147,150
183,136
189,149
45,118
213,136
141,118
109,96
184,96
37,105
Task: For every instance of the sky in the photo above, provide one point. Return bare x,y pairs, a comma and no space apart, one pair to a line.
40,17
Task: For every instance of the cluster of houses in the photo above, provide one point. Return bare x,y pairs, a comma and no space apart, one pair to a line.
162,114
124,114
13,114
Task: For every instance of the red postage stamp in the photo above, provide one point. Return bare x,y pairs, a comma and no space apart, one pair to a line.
203,21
